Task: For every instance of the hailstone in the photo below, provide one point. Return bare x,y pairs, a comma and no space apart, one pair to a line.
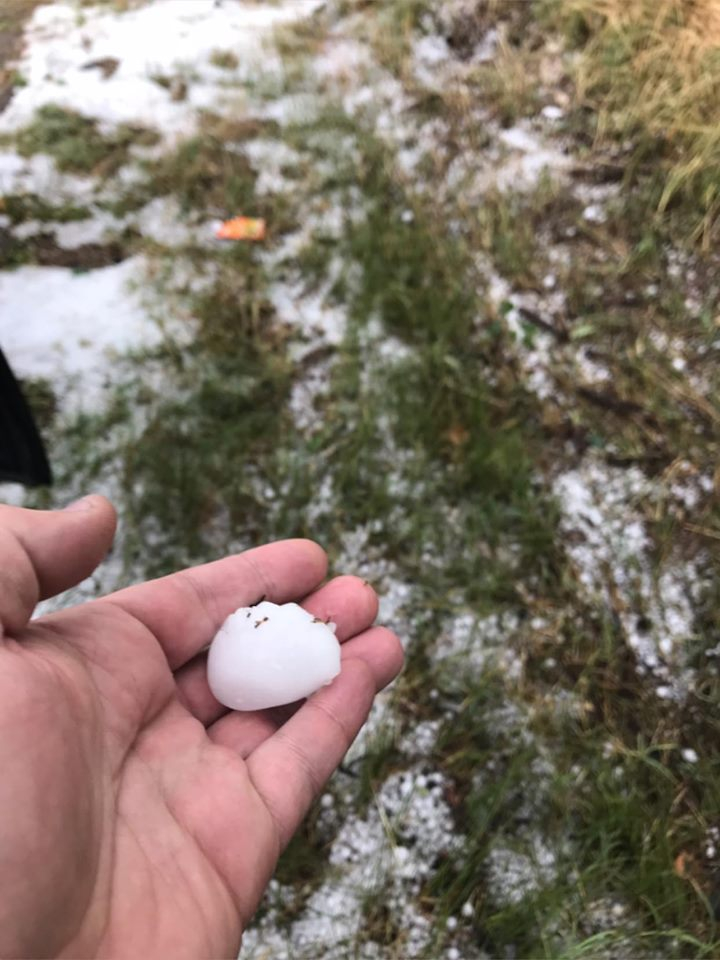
271,654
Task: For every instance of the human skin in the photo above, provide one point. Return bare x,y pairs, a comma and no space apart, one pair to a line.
138,816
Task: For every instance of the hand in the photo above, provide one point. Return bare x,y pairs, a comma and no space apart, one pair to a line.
139,817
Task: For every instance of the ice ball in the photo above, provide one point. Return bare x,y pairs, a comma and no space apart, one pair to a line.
271,654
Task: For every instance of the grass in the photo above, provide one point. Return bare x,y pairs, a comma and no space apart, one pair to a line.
626,817
239,383
391,29
431,422
210,176
76,143
12,20
42,249
224,59
41,399
508,83
21,207
227,410
508,226
649,71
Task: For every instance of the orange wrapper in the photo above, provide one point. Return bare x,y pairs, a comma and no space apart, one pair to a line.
241,228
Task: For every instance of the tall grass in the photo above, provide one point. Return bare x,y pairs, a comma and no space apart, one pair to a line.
650,70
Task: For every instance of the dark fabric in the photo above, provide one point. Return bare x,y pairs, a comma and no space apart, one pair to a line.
22,456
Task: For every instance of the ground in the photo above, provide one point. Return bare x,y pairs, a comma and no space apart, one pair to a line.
475,357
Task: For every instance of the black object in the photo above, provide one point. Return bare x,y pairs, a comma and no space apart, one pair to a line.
22,455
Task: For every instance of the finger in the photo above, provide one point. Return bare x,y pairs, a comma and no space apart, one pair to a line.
290,768
43,552
185,610
245,732
349,602
381,649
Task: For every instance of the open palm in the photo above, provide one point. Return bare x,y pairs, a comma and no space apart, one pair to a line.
139,817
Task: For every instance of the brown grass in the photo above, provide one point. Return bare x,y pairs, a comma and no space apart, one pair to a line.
651,69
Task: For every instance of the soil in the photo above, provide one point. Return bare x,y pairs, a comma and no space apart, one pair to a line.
43,250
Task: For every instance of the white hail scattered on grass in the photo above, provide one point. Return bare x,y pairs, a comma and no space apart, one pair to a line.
61,45
514,875
469,643
386,854
608,542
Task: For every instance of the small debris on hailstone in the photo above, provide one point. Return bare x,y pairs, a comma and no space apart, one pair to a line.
271,654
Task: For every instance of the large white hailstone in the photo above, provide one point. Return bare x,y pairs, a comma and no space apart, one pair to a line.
270,654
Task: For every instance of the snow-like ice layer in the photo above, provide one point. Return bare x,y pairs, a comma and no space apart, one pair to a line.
309,313
513,875
530,157
66,326
268,157
341,60
430,54
321,324
100,228
38,174
612,552
419,741
160,38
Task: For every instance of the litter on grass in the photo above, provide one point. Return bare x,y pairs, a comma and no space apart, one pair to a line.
241,228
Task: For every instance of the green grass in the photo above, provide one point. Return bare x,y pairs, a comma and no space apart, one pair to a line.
76,143
439,412
618,819
21,207
510,226
391,27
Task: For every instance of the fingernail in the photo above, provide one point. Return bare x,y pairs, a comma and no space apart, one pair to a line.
84,503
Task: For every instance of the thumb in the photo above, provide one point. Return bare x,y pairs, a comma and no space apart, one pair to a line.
43,552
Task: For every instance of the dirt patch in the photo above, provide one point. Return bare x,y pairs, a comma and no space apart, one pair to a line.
43,250
88,256
12,21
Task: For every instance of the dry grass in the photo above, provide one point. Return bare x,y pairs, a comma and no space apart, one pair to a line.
651,70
